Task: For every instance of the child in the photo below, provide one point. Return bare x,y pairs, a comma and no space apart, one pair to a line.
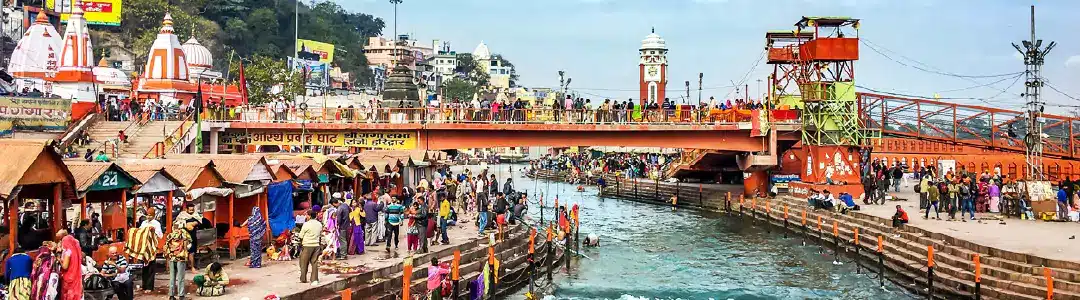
412,231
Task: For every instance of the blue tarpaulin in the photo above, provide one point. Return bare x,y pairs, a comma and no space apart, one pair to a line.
281,205
305,185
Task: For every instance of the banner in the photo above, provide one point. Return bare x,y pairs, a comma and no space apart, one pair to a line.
96,12
33,114
378,140
324,51
317,73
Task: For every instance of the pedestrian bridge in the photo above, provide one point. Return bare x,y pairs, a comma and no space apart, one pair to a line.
440,129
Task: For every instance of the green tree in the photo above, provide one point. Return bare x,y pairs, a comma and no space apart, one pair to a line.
473,73
263,73
459,89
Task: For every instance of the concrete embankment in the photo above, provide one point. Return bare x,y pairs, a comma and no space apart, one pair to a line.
905,254
388,283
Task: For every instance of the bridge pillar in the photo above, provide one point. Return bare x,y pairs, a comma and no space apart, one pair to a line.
755,182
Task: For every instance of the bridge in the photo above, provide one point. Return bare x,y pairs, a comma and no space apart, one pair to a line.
449,128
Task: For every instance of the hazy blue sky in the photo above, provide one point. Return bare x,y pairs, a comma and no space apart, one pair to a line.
596,41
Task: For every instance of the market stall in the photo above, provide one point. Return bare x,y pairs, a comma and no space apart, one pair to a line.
200,184
36,183
248,177
106,185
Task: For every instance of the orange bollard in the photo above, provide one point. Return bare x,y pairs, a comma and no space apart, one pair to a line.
785,211
1049,283
804,218
455,273
819,223
767,209
532,241
835,229
753,203
880,244
740,201
978,269
406,279
930,255
856,237
346,294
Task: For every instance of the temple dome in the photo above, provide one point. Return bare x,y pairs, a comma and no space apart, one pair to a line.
481,52
38,51
166,65
77,57
198,56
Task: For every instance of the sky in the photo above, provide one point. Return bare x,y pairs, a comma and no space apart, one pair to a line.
596,42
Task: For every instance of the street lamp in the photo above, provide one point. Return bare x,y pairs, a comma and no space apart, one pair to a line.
395,38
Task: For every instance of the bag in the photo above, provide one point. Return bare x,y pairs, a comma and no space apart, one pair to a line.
96,282
918,188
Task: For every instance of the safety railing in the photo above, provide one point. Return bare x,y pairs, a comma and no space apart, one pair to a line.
171,140
436,115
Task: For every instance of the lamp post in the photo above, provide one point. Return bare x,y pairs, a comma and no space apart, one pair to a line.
700,76
395,2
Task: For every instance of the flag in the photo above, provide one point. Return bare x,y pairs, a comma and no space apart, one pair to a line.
243,84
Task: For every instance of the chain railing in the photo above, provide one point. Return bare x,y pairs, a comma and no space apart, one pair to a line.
437,115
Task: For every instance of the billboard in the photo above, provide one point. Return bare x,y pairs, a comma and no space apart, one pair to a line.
96,12
318,73
324,51
33,114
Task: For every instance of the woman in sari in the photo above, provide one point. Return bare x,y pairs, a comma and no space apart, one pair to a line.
256,227
17,271
71,260
45,276
357,216
330,233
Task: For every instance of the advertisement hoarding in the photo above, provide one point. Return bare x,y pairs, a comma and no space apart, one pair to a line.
325,51
96,12
317,73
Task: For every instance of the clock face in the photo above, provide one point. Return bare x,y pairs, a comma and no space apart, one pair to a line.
652,71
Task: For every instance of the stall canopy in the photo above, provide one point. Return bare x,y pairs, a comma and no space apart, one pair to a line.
247,175
99,177
192,174
155,180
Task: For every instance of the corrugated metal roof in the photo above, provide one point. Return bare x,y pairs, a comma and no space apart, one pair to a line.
19,155
233,168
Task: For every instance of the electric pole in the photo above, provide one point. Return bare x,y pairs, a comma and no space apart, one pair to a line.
1034,57
700,76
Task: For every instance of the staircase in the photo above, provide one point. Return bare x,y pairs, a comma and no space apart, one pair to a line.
1005,274
102,136
149,135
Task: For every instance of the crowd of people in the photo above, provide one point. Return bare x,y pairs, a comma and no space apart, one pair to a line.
585,164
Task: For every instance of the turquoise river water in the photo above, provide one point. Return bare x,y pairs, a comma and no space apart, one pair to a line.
649,252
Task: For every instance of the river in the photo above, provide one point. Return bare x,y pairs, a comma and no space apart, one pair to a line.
649,252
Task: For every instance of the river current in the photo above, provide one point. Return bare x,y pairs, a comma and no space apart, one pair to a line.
650,252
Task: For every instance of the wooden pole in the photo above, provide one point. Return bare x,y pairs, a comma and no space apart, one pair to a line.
168,214
13,221
232,235
123,211
57,209
82,208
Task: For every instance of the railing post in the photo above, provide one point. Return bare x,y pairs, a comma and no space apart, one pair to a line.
406,279
455,274
978,277
1049,283
856,243
881,261
930,272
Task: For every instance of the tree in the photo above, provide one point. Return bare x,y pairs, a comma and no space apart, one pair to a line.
249,27
263,73
459,89
473,73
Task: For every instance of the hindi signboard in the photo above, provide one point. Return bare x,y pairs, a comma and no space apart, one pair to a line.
378,140
33,114
96,12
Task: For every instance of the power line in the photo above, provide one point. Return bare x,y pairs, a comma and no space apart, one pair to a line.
1052,87
927,68
982,85
984,100
745,77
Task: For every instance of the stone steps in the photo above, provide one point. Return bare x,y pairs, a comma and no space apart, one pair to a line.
953,264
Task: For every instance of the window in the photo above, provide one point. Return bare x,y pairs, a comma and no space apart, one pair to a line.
652,52
652,92
494,63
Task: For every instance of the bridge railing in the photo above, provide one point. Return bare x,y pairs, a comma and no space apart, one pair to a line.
969,125
490,116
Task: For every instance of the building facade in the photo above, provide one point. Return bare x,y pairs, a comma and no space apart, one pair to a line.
652,69
381,51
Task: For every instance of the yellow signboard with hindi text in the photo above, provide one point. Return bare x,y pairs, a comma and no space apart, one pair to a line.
96,12
376,140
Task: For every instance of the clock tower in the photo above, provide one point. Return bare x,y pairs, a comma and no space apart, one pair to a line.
653,69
